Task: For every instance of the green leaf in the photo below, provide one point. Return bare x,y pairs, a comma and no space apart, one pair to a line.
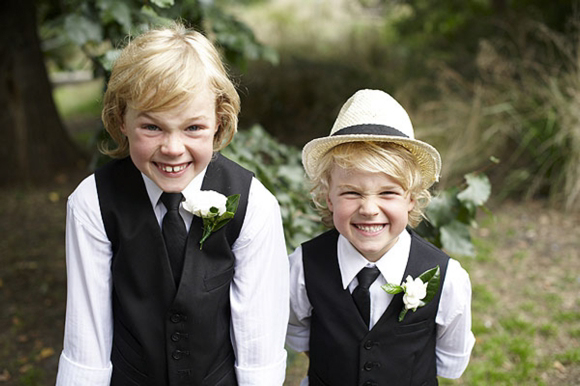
223,220
232,203
478,189
392,288
81,30
163,3
442,208
433,278
108,59
455,239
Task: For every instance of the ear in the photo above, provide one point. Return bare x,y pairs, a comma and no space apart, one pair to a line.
123,129
329,202
411,204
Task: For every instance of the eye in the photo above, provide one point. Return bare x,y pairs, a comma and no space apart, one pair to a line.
391,192
350,193
151,127
193,128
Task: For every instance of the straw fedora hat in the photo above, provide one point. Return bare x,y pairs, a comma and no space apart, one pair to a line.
373,115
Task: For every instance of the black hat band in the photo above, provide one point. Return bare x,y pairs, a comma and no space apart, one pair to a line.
370,130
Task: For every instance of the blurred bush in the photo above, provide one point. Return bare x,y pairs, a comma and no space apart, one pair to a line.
522,107
451,214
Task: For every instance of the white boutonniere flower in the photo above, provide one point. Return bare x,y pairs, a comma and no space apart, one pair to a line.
215,209
418,292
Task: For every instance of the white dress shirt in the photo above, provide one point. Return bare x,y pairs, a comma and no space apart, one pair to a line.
454,337
258,294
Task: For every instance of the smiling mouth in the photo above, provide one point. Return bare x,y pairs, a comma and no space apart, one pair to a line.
172,168
370,228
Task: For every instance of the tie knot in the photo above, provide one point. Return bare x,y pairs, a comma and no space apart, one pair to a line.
171,200
367,276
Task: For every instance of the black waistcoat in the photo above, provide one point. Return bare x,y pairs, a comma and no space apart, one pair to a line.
165,335
343,352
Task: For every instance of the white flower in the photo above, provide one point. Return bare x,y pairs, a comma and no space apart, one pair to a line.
418,292
415,292
201,203
215,209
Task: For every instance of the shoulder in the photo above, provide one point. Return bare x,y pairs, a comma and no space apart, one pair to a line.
223,165
85,194
260,196
330,236
83,204
419,242
426,254
457,276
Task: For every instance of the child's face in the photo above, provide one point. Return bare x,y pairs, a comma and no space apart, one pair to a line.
369,209
172,147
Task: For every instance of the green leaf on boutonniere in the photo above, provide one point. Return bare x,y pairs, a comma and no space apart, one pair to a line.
392,289
232,203
231,207
432,277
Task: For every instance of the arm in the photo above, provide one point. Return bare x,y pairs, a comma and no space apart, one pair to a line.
259,293
454,337
88,324
298,334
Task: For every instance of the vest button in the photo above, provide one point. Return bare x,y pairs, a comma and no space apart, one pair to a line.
175,337
371,365
178,354
368,344
370,383
175,318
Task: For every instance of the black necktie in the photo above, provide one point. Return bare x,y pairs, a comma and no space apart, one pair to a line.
361,295
174,232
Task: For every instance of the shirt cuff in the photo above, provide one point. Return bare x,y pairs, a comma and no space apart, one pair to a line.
74,374
272,375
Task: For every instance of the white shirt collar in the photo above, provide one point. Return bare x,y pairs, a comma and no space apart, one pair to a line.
155,191
392,264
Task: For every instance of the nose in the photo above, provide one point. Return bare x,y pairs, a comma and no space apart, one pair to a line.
369,207
172,144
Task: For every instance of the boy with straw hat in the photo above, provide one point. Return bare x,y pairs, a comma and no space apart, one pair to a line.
351,288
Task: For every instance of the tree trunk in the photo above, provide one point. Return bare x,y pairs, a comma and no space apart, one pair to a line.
35,145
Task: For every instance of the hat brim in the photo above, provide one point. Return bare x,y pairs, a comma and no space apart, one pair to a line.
427,156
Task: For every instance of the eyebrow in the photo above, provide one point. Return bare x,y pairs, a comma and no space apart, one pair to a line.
384,187
149,115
